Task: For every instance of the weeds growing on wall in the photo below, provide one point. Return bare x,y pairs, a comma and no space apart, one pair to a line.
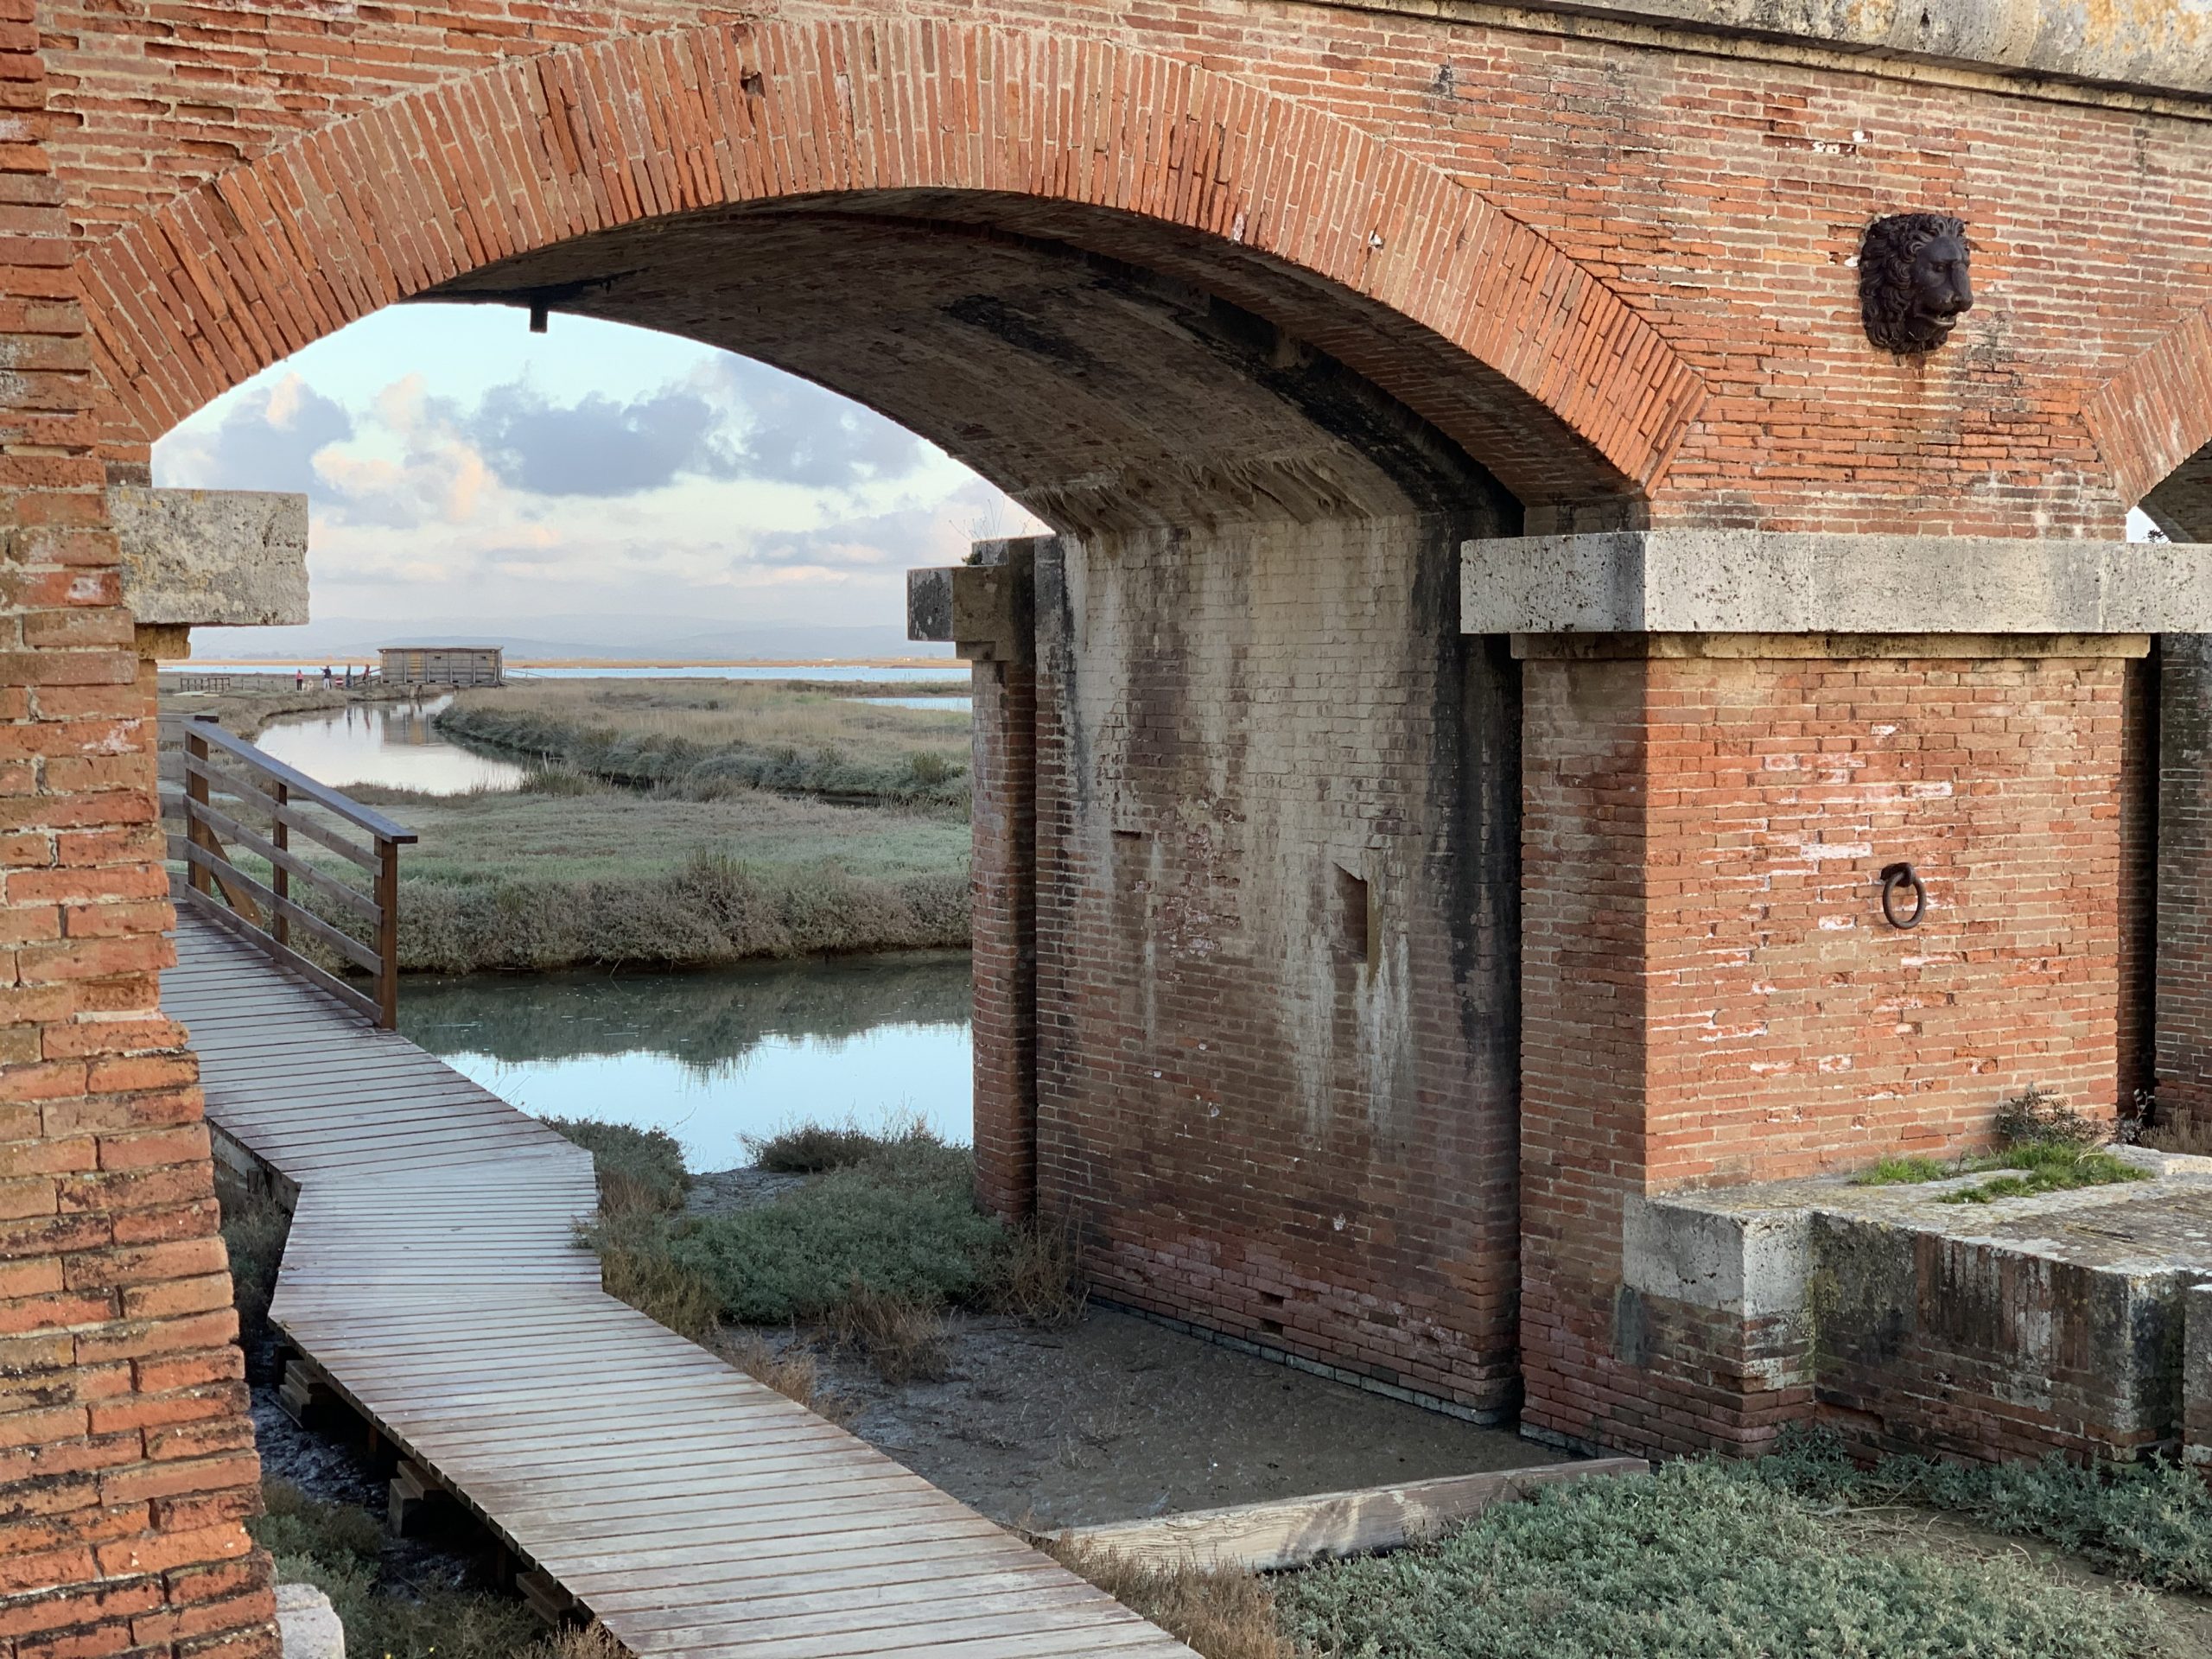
2045,1147
1703,1560
339,1548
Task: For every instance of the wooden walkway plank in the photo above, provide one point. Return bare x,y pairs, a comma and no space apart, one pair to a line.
434,1279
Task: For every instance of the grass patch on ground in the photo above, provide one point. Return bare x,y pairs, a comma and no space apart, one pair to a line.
1703,1560
901,1223
2148,1522
2046,1147
703,739
339,1548
877,1246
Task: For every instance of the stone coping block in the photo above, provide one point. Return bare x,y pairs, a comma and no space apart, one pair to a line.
987,610
221,558
1741,581
2164,47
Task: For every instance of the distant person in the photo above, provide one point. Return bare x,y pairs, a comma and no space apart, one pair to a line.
325,676
299,679
349,676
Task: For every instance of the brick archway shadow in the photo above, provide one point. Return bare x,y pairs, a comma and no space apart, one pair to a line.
1468,317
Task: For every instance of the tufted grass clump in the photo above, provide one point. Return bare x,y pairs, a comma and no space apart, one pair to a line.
637,1168
1902,1172
1702,1561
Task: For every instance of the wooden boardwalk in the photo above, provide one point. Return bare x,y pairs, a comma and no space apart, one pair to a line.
433,1278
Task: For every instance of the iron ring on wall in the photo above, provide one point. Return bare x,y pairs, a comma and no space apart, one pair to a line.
1902,876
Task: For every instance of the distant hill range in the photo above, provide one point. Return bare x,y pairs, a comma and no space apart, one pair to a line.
619,638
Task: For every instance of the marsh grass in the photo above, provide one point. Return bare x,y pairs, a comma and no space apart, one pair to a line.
790,1370
810,1149
254,1230
1220,1612
2148,1522
1702,1560
638,1169
905,1339
704,739
339,1548
521,882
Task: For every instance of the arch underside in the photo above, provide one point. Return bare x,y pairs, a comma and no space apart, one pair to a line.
2181,505
1103,395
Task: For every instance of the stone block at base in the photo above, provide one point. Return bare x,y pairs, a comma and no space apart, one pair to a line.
308,1624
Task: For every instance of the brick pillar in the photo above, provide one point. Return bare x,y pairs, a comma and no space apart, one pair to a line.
1003,920
1711,997
126,1455
2183,1045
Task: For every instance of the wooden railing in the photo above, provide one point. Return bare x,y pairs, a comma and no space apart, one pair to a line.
230,796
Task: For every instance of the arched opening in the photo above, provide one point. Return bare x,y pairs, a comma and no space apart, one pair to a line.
1263,391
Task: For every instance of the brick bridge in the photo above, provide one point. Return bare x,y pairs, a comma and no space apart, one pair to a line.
1432,789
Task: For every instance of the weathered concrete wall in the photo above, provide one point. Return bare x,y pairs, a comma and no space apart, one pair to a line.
2183,1045
227,558
1277,834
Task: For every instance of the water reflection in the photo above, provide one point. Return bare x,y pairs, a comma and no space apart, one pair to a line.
713,1056
390,744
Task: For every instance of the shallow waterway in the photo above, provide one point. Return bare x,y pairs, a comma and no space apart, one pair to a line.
393,745
716,1056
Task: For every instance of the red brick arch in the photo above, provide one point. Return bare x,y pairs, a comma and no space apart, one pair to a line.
1576,397
2153,417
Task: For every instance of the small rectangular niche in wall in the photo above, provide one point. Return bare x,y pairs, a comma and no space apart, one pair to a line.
1354,917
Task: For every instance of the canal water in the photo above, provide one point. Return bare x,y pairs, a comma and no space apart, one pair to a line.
395,746
716,1056
390,744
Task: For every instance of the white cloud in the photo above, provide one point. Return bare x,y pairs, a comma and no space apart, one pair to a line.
729,491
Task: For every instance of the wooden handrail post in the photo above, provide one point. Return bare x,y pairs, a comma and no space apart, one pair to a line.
388,933
195,790
281,833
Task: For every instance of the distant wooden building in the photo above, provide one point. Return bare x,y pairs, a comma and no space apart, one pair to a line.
444,665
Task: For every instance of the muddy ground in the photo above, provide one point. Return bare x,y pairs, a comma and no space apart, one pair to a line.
1117,1418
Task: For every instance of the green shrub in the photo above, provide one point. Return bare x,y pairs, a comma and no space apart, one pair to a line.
810,1149
2149,1522
636,1167
1700,1561
902,1223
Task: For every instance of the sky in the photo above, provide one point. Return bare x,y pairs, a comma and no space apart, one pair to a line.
594,484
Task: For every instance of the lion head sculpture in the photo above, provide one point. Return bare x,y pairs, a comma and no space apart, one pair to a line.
1912,280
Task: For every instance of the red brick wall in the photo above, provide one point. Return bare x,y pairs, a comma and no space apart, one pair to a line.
1710,995
126,1459
1717,190
1259,1132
